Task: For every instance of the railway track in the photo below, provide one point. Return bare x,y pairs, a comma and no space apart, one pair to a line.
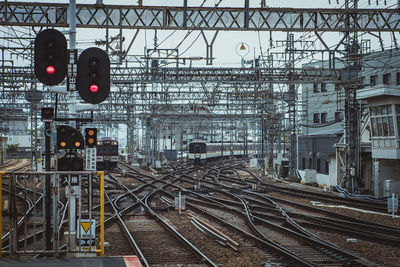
327,197
14,165
141,219
319,252
151,231
355,258
249,249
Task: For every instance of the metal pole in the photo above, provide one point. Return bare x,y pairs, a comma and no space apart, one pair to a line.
1,201
72,108
55,200
181,143
180,203
392,205
171,145
47,187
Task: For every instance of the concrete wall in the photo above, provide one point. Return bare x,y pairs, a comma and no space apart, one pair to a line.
333,180
316,149
385,169
321,179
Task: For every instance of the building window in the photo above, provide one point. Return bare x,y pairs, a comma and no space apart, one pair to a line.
386,79
362,82
327,166
338,116
310,163
323,87
316,118
323,117
398,78
316,88
382,123
318,165
372,80
303,163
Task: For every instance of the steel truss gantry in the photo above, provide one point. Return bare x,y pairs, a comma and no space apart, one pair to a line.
199,18
184,75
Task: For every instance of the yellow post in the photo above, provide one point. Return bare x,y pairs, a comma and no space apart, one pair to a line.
1,210
101,213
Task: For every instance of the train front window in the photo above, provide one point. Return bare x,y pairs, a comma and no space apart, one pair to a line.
197,148
114,149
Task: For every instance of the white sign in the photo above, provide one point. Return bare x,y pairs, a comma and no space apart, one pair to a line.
90,154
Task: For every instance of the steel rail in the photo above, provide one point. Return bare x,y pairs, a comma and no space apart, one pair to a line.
312,238
168,227
280,249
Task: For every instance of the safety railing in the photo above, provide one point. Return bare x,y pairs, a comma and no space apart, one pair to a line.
52,213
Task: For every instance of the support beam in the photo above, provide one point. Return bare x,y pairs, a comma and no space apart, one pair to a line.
199,18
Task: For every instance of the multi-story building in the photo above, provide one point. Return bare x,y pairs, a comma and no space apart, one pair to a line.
381,94
322,125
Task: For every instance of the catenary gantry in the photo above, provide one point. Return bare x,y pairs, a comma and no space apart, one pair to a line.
200,18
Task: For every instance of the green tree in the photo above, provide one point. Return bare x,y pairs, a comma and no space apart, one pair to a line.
12,148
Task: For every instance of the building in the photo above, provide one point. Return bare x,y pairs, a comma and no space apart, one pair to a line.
14,124
381,95
322,126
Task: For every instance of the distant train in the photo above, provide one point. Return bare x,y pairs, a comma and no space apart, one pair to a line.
201,152
107,154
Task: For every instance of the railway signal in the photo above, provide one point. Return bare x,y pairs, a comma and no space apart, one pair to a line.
69,138
93,75
70,163
51,57
47,114
90,137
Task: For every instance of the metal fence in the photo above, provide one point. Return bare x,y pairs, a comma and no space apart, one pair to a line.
52,213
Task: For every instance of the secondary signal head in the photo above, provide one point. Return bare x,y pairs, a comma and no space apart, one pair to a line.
69,138
91,137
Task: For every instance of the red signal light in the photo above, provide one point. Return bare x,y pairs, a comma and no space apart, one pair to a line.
50,69
94,88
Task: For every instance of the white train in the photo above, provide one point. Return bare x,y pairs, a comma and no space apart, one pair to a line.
201,152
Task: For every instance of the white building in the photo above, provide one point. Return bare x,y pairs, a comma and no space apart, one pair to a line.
321,128
382,96
322,125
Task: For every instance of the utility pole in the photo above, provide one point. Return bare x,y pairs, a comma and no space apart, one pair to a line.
352,149
291,101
